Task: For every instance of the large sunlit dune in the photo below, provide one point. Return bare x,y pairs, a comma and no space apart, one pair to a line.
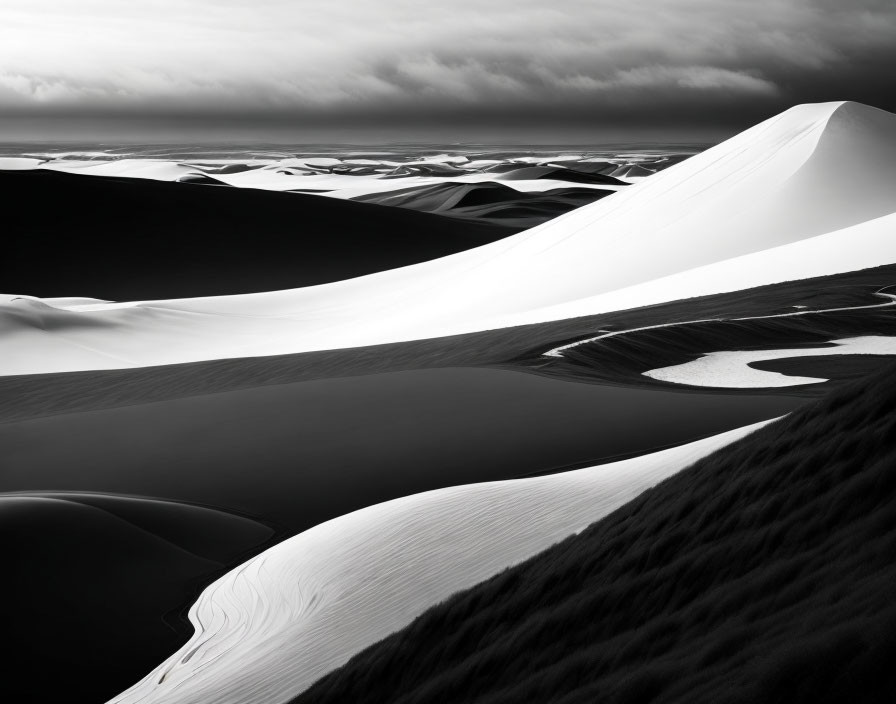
806,193
268,629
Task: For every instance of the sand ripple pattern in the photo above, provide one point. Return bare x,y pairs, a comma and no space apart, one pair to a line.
267,630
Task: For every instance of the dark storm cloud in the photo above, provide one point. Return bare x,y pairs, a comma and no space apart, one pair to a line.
513,62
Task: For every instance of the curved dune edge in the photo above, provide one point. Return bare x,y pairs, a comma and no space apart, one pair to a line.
708,223
271,627
94,583
763,573
206,532
732,370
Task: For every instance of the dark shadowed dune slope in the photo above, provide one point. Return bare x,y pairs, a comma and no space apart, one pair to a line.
303,453
560,173
131,239
444,196
764,573
93,586
489,201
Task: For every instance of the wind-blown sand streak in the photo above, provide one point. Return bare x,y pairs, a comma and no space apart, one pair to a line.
270,628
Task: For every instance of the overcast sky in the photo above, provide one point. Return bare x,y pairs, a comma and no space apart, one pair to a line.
444,69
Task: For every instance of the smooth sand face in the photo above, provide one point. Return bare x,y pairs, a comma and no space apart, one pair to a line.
736,206
91,582
302,453
268,629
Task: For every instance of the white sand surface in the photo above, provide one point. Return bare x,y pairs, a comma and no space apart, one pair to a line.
269,628
806,193
14,163
297,174
155,169
73,301
730,369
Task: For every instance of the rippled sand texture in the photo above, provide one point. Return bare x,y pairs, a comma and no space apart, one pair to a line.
268,629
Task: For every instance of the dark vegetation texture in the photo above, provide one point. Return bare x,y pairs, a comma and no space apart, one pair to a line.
763,573
134,239
521,347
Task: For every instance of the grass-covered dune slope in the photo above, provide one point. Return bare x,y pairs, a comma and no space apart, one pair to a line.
763,573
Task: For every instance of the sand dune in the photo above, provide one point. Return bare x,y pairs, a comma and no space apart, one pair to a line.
348,177
302,453
733,369
268,629
769,205
779,184
863,246
92,583
131,239
12,163
763,573
489,201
